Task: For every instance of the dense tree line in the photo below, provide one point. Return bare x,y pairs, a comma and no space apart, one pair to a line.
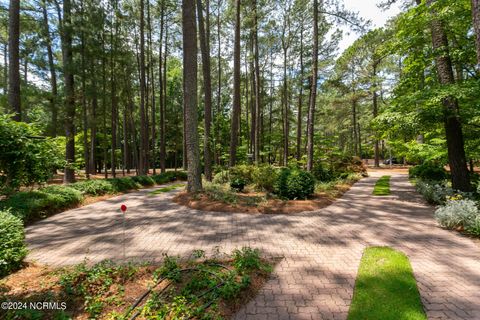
119,83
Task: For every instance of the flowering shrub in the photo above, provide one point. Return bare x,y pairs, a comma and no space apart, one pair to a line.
434,193
457,213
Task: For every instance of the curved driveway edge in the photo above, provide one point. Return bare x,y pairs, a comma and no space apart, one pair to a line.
321,249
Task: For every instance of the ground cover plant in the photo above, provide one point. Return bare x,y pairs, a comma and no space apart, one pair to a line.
42,202
382,186
385,288
12,246
270,190
200,287
167,189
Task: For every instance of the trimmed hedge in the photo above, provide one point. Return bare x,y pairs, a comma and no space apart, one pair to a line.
169,176
37,204
93,187
12,243
32,205
428,171
294,184
145,181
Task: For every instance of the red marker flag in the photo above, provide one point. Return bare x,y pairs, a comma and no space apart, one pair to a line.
123,208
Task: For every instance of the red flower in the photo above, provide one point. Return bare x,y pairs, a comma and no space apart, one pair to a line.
123,208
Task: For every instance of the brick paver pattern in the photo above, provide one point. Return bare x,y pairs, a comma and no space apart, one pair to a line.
321,250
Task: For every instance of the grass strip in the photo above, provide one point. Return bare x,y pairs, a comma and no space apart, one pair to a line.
167,189
382,187
385,288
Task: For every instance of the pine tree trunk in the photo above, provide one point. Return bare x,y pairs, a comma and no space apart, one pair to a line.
313,90
256,141
207,86
142,165
14,59
153,132
236,88
190,94
93,124
300,99
86,150
69,175
219,89
375,114
453,126
161,85
285,112
476,28
51,66
354,127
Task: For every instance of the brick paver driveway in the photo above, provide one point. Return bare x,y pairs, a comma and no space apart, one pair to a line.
321,249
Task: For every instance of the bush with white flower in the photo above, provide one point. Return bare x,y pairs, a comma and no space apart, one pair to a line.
459,213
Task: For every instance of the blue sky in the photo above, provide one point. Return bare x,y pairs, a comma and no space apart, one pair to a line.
367,9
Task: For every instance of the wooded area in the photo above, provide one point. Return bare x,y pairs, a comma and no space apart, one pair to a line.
141,85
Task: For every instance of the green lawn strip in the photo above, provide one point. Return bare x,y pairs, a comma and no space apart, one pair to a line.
166,189
385,288
382,187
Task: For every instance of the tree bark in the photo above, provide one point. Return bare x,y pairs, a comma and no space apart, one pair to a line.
113,83
86,150
51,66
236,88
476,28
313,90
300,99
142,165
93,124
153,131
67,54
256,141
190,94
453,126
354,126
161,84
14,59
207,87
219,88
375,114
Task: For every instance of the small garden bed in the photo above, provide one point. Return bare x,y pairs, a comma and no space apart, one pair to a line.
201,287
455,210
221,198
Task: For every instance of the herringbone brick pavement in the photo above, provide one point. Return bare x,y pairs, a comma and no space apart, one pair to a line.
321,249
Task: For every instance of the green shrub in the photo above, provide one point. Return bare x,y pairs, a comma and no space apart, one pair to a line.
12,244
434,192
458,213
264,177
93,187
348,164
238,184
221,177
242,171
31,205
25,159
428,171
145,181
294,184
321,173
220,192
169,176
123,184
473,226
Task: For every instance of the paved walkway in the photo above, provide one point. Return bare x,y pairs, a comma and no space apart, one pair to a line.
322,249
